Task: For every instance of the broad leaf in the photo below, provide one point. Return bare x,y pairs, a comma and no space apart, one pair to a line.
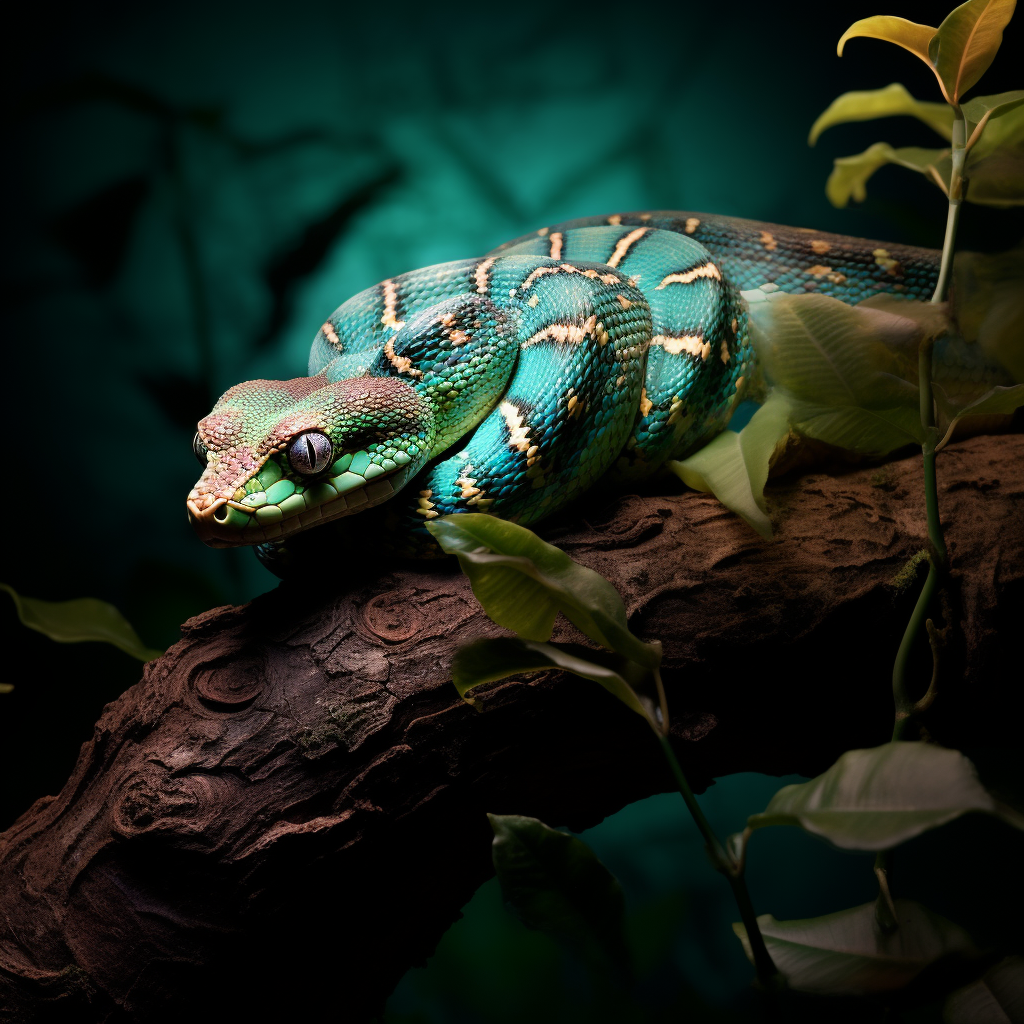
988,294
85,618
840,369
908,34
888,102
875,799
982,110
556,885
995,164
967,380
522,583
999,401
966,43
996,179
1003,132
734,466
850,174
484,661
995,998
846,953
932,318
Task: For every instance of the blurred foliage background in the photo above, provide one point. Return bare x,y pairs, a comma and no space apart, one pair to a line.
190,188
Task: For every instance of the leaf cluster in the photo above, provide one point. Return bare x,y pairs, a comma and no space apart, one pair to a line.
868,800
846,376
523,583
958,52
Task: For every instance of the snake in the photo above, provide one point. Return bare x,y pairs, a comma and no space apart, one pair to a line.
589,351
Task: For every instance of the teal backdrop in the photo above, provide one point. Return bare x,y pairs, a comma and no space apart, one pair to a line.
190,188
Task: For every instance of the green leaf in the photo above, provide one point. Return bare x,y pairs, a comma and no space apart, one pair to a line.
932,318
522,583
995,166
998,178
966,43
875,799
846,953
734,466
988,296
999,401
995,998
996,133
982,110
908,34
850,174
484,661
839,368
85,618
891,101
556,885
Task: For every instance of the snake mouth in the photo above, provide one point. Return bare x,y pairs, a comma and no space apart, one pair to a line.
275,511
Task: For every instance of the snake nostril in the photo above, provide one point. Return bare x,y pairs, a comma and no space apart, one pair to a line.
220,513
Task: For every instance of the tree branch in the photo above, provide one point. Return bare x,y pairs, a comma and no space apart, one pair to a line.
288,810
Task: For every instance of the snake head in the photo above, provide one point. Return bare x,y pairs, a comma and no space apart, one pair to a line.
282,456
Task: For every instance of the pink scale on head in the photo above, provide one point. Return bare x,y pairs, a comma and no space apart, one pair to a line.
250,421
254,419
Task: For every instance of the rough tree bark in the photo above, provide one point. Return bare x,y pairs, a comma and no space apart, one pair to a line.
288,810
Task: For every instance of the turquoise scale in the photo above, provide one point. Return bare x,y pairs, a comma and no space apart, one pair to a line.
597,347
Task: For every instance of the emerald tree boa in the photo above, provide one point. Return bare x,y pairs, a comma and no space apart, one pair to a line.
509,384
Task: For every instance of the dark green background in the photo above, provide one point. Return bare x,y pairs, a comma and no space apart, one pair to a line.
191,188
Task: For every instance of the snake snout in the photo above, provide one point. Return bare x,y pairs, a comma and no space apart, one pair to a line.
207,522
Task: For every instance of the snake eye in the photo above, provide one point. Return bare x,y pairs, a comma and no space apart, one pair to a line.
310,453
199,448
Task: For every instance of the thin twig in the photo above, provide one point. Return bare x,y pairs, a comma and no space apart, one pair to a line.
767,972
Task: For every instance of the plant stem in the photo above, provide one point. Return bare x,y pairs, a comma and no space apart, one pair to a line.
662,703
957,184
906,707
904,702
767,973
885,909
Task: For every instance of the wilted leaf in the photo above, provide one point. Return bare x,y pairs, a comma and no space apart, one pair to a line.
556,885
734,466
908,34
850,174
875,799
995,998
888,102
846,953
85,618
485,661
522,583
839,368
966,43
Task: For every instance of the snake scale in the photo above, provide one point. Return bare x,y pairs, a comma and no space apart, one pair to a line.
511,383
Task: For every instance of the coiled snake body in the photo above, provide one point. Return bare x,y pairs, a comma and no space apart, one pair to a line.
511,383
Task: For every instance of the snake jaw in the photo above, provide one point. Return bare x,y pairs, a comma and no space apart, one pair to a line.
228,523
